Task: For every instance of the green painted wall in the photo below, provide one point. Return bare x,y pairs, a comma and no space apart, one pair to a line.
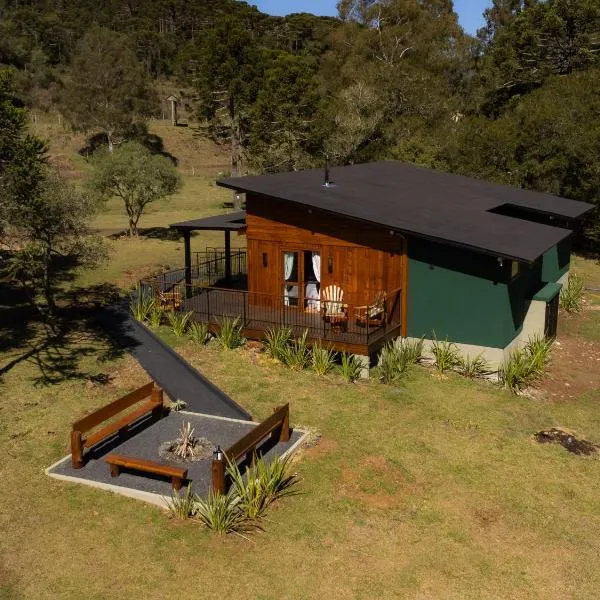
465,296
556,261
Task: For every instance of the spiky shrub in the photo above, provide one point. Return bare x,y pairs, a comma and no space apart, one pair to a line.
515,373
178,405
296,354
179,322
222,513
263,484
472,366
230,333
198,333
185,443
526,365
571,295
142,302
276,342
182,505
322,359
412,349
539,350
393,362
350,367
156,315
446,355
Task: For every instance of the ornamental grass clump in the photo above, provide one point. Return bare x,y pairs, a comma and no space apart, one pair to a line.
199,333
179,322
223,514
296,354
446,355
156,315
472,367
526,365
393,363
322,359
351,368
142,302
539,350
182,505
230,334
571,295
276,342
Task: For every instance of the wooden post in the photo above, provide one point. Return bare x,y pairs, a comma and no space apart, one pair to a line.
188,263
284,436
158,400
76,450
218,476
228,257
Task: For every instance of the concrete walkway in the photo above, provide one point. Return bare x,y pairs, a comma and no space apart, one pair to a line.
179,379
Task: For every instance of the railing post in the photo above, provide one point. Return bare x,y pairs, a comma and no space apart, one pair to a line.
244,303
76,450
218,476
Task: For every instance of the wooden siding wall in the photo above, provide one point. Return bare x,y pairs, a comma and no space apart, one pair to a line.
366,259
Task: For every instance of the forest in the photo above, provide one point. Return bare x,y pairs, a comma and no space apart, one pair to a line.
387,79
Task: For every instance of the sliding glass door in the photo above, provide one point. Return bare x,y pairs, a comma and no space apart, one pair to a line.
302,279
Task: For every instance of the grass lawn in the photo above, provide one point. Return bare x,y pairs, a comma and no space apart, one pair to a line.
431,490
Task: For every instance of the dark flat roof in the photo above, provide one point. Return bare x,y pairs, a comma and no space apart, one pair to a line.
228,222
448,208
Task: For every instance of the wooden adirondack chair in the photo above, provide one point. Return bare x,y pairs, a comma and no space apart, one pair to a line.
169,299
333,308
373,314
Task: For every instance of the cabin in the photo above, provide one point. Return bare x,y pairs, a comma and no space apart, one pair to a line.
375,251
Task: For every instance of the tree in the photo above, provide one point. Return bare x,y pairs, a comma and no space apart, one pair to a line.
106,89
136,176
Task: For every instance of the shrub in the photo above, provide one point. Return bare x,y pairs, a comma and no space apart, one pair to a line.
539,349
323,359
264,484
472,367
142,302
571,295
412,349
351,367
393,362
156,315
182,506
446,355
230,334
296,355
199,333
179,321
276,342
525,365
222,513
178,405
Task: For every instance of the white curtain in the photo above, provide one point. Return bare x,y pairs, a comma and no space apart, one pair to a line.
316,263
288,264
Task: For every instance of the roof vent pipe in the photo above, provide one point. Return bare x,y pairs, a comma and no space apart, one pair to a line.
327,183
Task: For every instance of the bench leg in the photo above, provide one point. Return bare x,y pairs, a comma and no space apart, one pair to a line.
176,482
114,470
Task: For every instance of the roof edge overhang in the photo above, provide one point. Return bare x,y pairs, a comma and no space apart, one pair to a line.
487,252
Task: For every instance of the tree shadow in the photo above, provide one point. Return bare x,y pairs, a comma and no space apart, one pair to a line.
138,133
57,347
165,234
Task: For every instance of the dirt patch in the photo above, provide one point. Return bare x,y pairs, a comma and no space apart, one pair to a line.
322,447
575,367
567,440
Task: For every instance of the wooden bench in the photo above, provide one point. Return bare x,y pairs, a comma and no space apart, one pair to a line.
277,425
118,462
150,395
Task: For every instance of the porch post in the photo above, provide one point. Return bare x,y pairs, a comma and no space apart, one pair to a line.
188,263
228,257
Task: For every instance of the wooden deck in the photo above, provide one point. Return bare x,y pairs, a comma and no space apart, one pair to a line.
211,305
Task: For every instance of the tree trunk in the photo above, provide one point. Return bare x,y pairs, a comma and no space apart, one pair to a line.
47,285
109,137
236,158
133,231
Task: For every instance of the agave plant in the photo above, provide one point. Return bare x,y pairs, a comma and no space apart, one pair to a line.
230,333
179,322
296,355
142,303
323,359
182,506
276,342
